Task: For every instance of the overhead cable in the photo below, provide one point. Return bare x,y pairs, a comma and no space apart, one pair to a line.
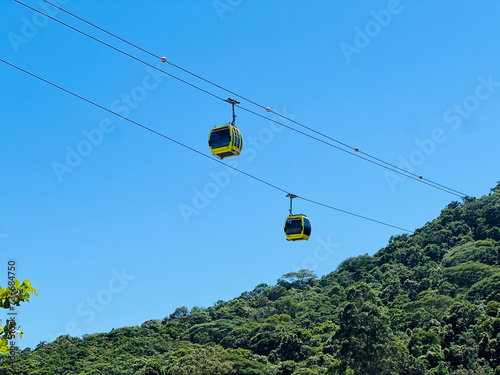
379,161
195,150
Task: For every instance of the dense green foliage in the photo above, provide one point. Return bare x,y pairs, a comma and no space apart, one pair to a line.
427,303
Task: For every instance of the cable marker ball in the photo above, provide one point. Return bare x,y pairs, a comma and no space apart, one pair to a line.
420,177
356,149
163,59
268,109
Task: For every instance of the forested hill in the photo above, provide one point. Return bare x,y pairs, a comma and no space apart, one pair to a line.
428,303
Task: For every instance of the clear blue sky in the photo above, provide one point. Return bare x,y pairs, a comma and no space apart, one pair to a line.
102,235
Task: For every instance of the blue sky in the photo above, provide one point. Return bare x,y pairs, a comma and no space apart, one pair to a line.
134,226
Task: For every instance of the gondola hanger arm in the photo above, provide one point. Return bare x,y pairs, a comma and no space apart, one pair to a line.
291,198
233,102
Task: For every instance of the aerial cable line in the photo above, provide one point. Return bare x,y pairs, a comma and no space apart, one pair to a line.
268,109
119,50
392,168
404,173
195,150
377,161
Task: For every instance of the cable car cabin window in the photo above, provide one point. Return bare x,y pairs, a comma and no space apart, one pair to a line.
237,139
293,226
220,138
307,227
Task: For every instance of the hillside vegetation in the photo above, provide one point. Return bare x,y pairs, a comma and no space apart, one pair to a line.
427,303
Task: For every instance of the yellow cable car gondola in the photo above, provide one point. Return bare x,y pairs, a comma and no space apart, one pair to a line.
226,141
297,227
